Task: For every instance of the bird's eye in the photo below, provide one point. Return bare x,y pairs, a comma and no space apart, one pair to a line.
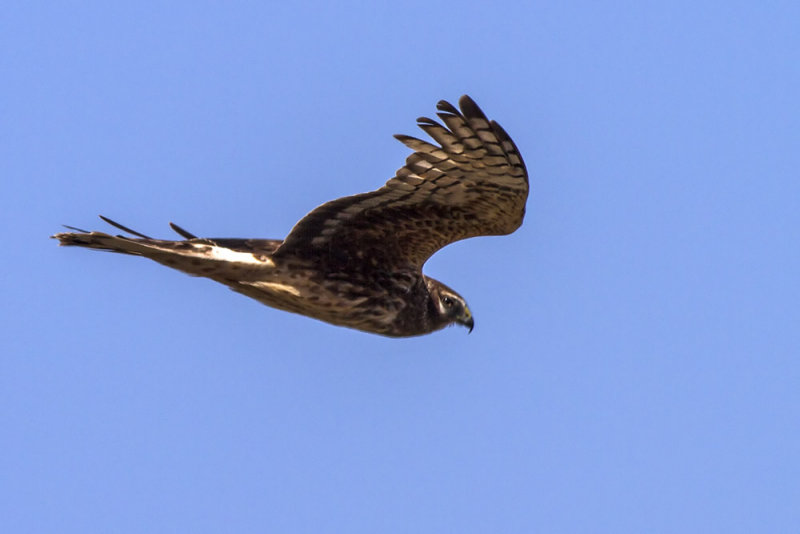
448,302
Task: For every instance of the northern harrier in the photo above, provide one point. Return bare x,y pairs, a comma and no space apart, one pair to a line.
357,261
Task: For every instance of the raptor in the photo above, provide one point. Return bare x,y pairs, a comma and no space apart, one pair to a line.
357,261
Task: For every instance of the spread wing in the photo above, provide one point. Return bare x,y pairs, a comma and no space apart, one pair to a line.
472,183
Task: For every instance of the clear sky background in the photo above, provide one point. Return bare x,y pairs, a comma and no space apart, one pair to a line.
635,365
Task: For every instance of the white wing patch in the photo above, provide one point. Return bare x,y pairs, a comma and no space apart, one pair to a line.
274,287
226,254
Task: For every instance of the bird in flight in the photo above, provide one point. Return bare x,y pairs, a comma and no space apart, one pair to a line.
357,261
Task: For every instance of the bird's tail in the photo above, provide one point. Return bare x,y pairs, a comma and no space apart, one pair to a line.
192,255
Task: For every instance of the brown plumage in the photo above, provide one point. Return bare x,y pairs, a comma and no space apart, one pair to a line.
357,261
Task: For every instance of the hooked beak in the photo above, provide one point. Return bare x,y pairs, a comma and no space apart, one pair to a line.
467,320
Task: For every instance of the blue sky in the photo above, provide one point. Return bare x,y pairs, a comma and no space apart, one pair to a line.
635,365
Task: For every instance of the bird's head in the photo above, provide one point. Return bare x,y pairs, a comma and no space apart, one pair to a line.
447,306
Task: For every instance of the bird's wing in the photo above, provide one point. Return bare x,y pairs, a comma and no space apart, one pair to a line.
472,183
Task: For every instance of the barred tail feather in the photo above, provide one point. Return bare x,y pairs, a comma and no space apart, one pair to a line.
195,256
111,243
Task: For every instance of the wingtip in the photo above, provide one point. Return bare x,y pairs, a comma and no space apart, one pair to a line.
124,228
466,100
181,232
467,106
447,107
470,109
75,229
